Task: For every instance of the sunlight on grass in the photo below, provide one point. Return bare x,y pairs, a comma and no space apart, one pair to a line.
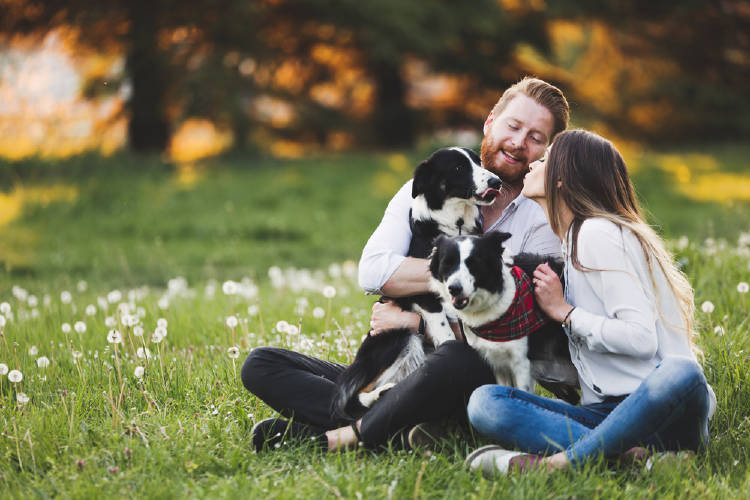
198,139
13,203
698,177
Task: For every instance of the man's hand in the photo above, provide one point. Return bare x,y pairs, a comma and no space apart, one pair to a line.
388,316
548,293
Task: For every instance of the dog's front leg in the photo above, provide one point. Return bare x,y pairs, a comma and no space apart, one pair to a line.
437,327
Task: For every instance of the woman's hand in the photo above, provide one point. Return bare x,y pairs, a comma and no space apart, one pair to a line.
549,293
388,316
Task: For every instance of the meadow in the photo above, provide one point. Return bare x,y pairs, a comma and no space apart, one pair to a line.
131,290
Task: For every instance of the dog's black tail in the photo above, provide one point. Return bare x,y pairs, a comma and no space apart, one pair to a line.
374,356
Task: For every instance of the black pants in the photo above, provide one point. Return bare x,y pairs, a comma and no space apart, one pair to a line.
302,387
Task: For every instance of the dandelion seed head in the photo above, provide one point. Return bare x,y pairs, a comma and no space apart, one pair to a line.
743,287
157,337
318,312
4,308
15,376
114,337
90,310
65,327
32,301
719,330
114,296
22,398
3,369
76,354
232,321
110,322
229,288
103,304
329,292
139,371
162,323
82,286
292,330
79,327
163,303
707,307
2,321
66,297
42,361
33,351
252,310
138,331
282,326
233,352
143,352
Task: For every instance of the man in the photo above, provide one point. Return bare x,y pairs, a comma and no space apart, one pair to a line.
517,132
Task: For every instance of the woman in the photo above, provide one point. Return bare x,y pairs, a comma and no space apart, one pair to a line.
628,314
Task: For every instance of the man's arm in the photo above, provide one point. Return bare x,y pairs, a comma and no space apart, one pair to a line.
384,268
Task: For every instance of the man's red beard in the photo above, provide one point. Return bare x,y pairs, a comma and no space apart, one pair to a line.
492,161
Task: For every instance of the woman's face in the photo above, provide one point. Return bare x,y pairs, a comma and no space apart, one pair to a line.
533,182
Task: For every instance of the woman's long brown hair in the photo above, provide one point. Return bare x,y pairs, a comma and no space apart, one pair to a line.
586,173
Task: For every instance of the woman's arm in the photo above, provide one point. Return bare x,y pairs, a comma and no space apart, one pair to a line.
628,325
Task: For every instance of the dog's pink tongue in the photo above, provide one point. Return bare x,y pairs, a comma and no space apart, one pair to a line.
490,191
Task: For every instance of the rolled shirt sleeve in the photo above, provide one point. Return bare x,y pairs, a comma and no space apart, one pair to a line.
388,245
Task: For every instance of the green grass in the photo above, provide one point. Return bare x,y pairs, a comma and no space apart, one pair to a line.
132,228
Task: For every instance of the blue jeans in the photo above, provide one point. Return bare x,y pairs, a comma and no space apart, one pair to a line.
668,411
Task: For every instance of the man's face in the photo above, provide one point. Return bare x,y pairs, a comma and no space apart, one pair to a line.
516,137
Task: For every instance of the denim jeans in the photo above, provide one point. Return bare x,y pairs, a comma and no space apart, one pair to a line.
668,411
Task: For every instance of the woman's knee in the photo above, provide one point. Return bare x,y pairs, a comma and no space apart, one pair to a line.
677,372
487,409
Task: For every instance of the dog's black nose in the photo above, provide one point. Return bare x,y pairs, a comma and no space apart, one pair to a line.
495,182
455,289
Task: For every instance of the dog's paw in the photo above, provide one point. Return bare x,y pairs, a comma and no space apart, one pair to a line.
367,399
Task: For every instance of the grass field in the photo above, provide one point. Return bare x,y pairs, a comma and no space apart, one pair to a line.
121,242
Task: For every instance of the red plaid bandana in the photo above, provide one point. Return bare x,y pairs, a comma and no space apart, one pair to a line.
522,318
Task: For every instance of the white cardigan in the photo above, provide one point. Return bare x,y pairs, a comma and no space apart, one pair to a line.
622,326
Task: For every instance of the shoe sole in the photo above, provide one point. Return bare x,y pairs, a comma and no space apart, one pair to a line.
478,452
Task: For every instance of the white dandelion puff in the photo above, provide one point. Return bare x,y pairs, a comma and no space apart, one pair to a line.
76,354
82,286
163,303
79,327
232,321
229,288
707,307
233,352
318,312
42,361
33,351
114,296
161,322
329,292
161,331
142,353
110,322
282,326
4,308
22,398
3,369
292,330
114,337
15,376
139,371
32,301
252,310
156,337
719,330
743,287
2,321
138,331
66,297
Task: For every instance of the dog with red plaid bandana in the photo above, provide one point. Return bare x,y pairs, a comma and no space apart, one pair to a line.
491,293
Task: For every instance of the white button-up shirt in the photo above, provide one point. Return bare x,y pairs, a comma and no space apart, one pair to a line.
387,247
624,324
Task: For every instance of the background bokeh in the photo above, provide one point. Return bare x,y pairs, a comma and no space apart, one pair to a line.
244,103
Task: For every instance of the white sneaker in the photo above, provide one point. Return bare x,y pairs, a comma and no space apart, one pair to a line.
490,459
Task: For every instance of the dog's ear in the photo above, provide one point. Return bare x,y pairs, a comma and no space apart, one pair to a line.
496,238
435,254
421,176
473,155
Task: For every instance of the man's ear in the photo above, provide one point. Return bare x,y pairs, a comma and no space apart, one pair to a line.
488,122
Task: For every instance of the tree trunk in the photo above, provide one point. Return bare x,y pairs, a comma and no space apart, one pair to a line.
148,129
392,119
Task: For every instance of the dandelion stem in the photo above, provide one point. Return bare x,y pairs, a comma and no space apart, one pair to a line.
18,447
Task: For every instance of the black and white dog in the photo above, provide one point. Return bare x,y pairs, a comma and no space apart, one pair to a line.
448,190
492,294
